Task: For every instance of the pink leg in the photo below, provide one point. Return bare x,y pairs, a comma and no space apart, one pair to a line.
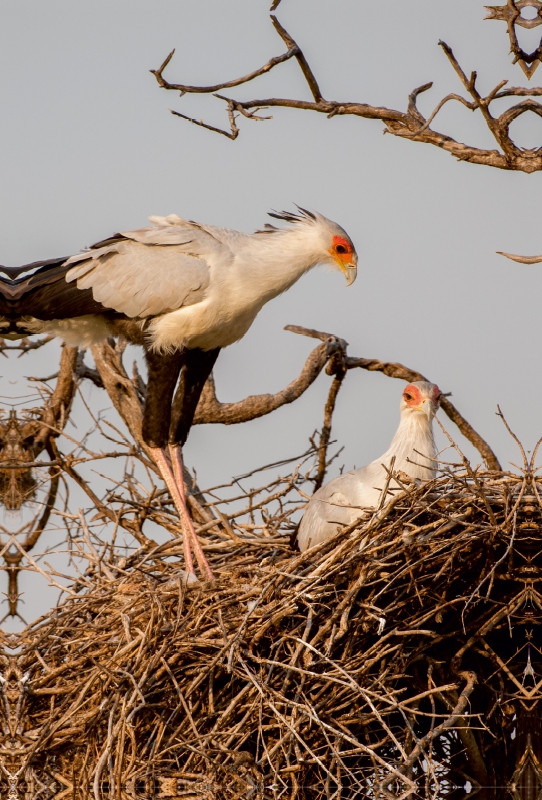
177,462
165,471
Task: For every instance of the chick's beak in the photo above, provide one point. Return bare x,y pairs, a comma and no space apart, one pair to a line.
427,407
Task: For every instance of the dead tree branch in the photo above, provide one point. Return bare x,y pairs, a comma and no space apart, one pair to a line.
337,368
21,442
126,396
410,124
211,410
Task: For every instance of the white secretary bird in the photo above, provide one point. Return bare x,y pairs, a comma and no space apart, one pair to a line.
346,498
182,290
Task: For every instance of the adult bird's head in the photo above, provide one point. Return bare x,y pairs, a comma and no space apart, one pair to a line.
344,254
420,397
333,246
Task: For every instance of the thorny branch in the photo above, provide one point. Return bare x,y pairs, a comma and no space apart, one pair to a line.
410,124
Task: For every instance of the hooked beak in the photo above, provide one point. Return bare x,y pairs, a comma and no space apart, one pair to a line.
350,269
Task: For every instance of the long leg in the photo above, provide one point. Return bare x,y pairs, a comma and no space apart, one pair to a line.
197,368
163,372
198,365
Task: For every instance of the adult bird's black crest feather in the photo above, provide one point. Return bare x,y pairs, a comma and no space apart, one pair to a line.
290,216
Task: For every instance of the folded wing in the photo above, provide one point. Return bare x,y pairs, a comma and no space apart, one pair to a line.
140,273
140,280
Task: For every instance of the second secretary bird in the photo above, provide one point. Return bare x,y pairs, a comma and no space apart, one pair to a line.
346,498
183,290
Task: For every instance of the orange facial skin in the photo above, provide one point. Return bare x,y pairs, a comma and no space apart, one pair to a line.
341,248
413,397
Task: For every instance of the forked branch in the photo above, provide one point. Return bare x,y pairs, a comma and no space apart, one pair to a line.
127,399
409,124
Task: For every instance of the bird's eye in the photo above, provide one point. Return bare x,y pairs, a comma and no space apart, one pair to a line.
341,248
408,397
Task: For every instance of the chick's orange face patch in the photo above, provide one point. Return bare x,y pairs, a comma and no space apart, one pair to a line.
412,395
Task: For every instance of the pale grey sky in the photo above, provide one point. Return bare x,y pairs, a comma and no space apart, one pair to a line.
89,147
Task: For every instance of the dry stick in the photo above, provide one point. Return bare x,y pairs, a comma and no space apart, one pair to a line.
335,367
13,560
25,345
106,751
144,541
410,124
57,409
47,576
121,390
470,680
471,474
33,437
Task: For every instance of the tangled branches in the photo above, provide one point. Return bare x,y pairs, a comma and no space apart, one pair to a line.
394,661
368,664
23,440
410,124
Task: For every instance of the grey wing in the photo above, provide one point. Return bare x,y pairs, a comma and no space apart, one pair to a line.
141,280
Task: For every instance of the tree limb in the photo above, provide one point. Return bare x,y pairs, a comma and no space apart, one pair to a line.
410,124
211,410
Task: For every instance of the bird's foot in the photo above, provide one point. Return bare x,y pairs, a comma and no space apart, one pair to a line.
175,485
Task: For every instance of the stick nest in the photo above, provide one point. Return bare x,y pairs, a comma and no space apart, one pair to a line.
371,665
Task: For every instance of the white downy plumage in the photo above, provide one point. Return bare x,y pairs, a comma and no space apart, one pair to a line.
342,501
197,286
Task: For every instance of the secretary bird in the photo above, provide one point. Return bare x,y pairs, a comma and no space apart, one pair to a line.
344,499
182,290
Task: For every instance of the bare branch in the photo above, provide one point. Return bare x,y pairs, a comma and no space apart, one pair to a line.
411,124
57,409
121,389
233,134
217,87
336,367
211,410
521,259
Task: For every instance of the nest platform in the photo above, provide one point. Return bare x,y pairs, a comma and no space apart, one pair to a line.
401,659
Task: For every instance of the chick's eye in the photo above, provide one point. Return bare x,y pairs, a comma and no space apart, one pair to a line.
408,397
341,248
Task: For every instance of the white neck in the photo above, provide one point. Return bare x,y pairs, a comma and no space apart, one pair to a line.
414,436
278,260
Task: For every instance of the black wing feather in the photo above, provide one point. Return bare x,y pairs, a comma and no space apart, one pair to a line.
45,294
